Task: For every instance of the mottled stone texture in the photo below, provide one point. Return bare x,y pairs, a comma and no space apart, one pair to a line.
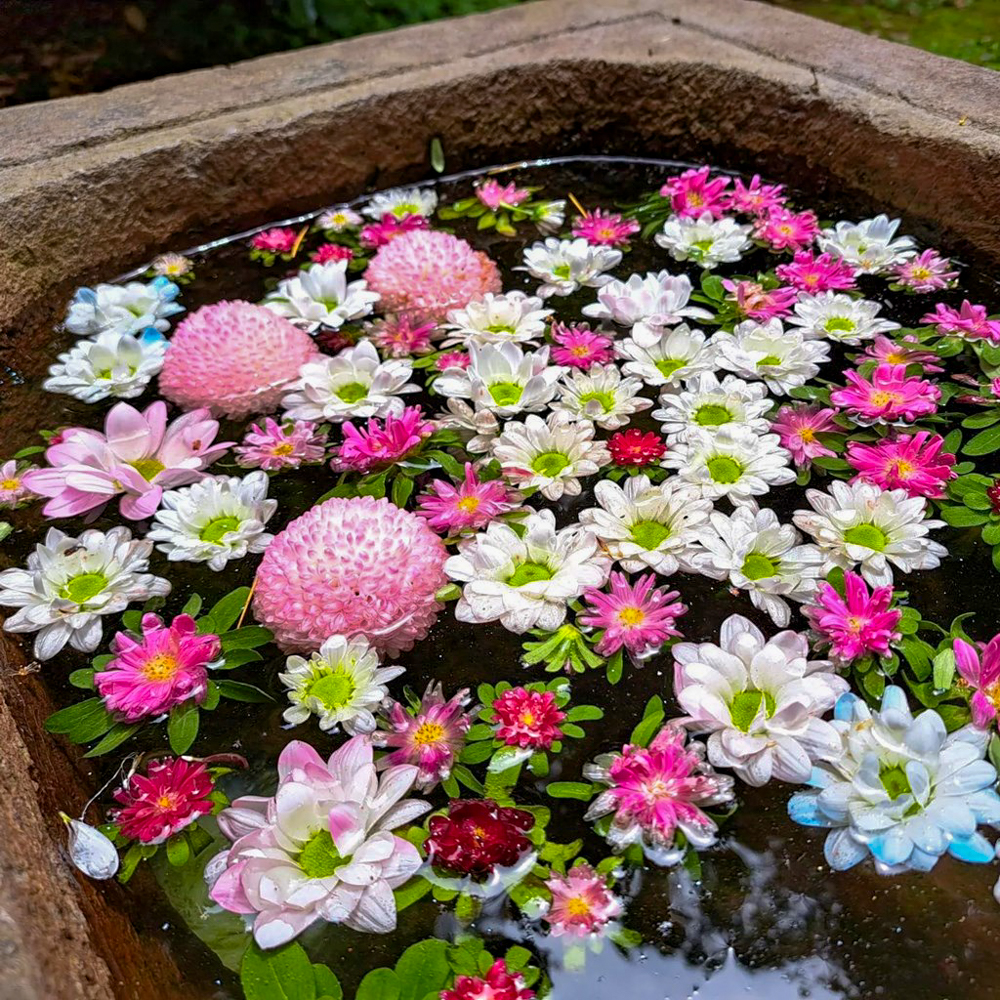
92,185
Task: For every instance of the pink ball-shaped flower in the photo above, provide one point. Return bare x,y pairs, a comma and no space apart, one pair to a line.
429,272
234,357
351,567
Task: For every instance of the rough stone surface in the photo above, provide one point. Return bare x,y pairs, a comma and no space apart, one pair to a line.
92,185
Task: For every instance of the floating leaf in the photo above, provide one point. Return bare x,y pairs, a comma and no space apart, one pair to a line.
282,974
570,790
182,727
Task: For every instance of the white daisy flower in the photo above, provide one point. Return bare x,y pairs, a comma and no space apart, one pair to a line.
870,246
525,581
112,364
549,216
861,523
705,240
706,403
69,583
342,684
656,300
481,426
733,462
123,308
601,395
781,359
649,527
400,202
565,265
497,319
339,220
321,297
353,383
757,553
503,378
842,318
667,357
214,520
552,455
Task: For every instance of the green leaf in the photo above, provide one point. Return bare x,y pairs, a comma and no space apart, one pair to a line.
978,420
238,691
246,638
962,517
83,678
954,716
226,611
570,790
584,713
82,722
646,729
994,751
132,620
918,655
182,727
452,466
379,984
476,753
831,463
408,894
402,489
572,730
422,968
874,683
282,974
212,695
983,443
117,735
437,155
192,606
615,668
178,850
944,669
238,658
372,486
327,984
517,958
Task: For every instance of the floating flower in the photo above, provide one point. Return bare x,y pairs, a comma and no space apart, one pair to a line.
609,229
495,195
889,352
353,567
708,404
127,308
498,984
813,273
171,265
321,297
797,427
479,428
328,253
760,700
383,443
166,666
477,836
692,194
171,795
870,246
637,617
339,220
927,272
549,216
14,492
782,359
401,202
525,582
470,505
527,719
783,229
498,319
840,318
754,301
704,240
666,358
887,397
582,904
979,667
579,347
635,448
755,198
279,240
214,521
452,359
234,358
272,446
69,583
342,684
970,321
912,462
601,395
563,266
389,228
90,850
857,623
655,792
656,300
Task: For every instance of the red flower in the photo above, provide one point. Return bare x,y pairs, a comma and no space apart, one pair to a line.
632,447
332,251
993,494
171,795
498,984
477,835
528,718
378,234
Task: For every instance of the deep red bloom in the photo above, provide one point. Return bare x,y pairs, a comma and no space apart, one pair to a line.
477,835
632,447
498,984
528,718
332,251
171,795
993,493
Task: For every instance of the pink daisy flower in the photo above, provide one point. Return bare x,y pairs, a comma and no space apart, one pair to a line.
578,346
582,903
756,198
379,234
275,240
14,491
166,667
384,442
692,193
995,387
926,273
638,617
908,462
495,195
400,336
786,230
797,427
969,321
890,352
498,984
756,302
430,738
609,229
275,446
856,624
528,718
472,504
888,397
453,359
813,273
331,251
633,447
171,795
979,667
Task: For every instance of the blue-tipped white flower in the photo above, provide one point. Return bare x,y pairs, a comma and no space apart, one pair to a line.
127,308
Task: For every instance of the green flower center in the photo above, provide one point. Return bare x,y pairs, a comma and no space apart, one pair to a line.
334,689
667,366
409,208
561,271
712,415
217,528
757,566
550,463
840,324
771,359
107,373
867,535
501,328
329,304
320,857
649,534
606,399
351,392
724,469
84,587
702,246
744,707
529,572
148,468
894,781
506,393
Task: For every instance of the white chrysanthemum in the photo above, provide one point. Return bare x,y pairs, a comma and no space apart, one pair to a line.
757,553
644,526
503,378
656,300
734,462
112,364
127,308
549,216
342,684
400,202
601,395
339,220
552,455
214,520
667,357
870,246
69,583
705,240
861,523
526,581
761,700
321,297
781,359
497,319
839,317
481,426
707,404
563,266
353,383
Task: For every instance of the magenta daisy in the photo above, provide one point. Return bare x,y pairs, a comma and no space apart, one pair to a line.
856,624
797,427
577,346
813,274
638,617
275,240
756,302
528,719
383,443
430,737
14,492
390,227
272,446
927,272
582,904
889,396
910,462
165,667
331,251
171,795
756,198
782,229
890,352
400,336
635,447
692,193
495,195
609,229
969,321
979,667
470,505
452,359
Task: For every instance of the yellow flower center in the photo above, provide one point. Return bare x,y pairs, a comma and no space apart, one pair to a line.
895,358
577,906
283,449
920,272
901,467
631,617
428,733
160,667
580,351
468,505
10,484
807,434
695,199
883,397
528,717
165,802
